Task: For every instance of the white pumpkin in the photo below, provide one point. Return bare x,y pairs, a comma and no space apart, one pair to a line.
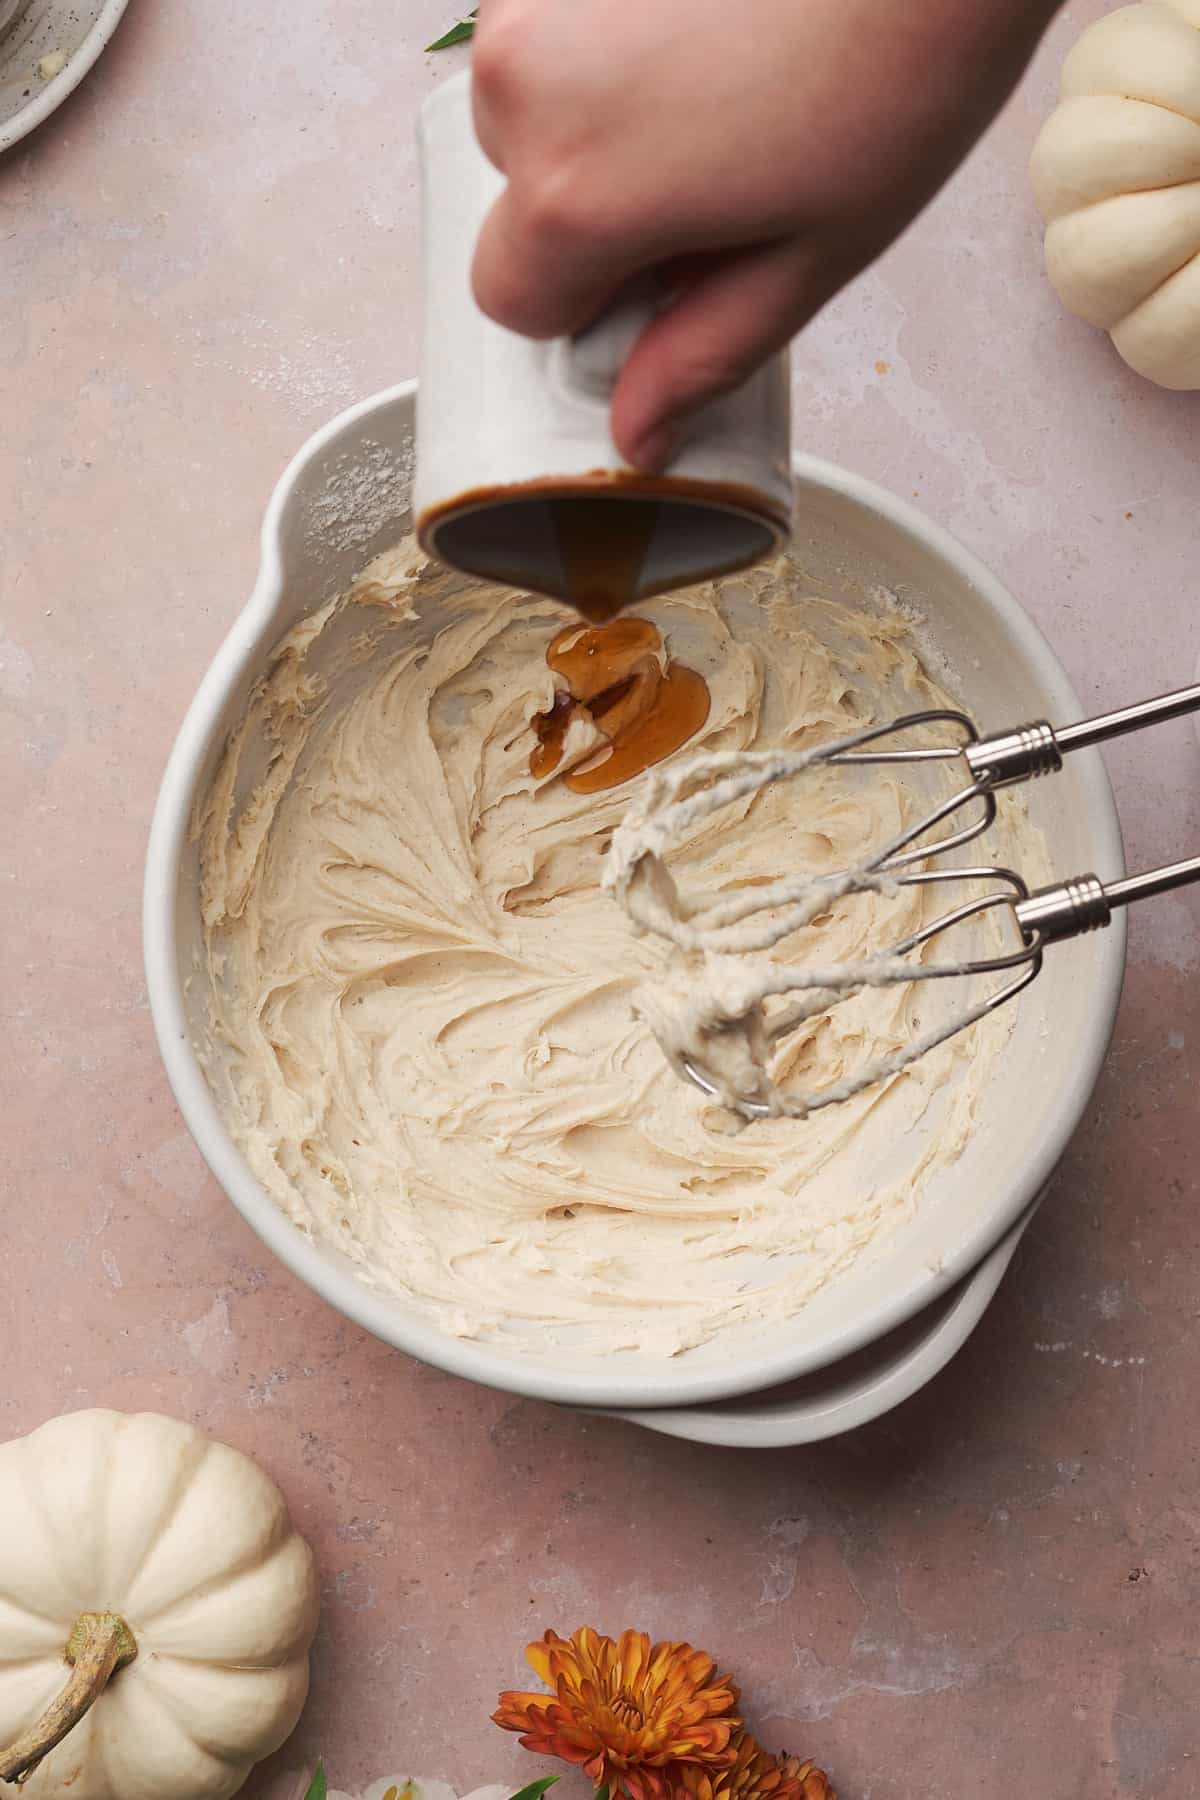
1116,172
132,1533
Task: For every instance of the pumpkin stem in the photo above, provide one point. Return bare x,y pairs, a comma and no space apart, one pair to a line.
99,1645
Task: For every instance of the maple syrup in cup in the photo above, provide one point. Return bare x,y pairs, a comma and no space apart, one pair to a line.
518,479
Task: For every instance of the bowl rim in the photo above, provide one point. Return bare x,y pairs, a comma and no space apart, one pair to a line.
60,86
527,1375
764,1422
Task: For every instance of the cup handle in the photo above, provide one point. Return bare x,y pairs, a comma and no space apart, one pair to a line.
589,363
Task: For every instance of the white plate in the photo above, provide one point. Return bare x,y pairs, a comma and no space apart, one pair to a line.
77,30
848,1393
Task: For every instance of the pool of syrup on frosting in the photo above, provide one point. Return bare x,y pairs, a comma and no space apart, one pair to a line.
619,677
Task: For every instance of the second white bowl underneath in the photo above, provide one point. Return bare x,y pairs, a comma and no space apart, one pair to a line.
850,1393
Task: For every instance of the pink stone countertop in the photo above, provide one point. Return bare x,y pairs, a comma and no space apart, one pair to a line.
206,253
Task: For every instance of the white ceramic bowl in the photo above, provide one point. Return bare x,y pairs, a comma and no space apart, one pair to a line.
343,500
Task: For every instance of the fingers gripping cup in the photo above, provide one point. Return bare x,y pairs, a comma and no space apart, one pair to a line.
518,479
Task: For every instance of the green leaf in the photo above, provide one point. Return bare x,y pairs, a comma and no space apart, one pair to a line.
457,34
318,1787
536,1789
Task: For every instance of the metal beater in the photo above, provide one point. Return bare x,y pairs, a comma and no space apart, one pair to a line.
674,798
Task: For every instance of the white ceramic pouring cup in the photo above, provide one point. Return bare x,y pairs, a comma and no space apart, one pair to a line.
507,426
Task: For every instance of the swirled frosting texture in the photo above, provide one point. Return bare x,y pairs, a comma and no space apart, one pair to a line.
422,1034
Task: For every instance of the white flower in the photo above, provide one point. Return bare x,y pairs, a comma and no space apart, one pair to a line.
295,1785
415,1787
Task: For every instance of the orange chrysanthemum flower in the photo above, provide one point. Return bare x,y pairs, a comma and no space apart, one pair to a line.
624,1710
754,1774
814,1782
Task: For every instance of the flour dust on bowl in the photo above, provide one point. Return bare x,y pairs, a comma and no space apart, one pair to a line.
397,1010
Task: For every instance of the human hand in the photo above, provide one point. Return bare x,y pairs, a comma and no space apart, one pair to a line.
756,157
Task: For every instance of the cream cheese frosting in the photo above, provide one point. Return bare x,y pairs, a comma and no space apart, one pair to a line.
422,1031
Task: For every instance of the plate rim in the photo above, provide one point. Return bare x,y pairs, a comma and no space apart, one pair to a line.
62,85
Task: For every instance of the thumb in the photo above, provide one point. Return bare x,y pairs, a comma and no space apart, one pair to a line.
721,329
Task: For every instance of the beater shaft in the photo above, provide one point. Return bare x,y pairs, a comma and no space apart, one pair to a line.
1070,908
1039,748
